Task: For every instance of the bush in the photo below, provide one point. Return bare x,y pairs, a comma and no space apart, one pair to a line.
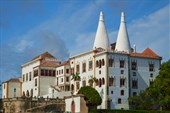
92,97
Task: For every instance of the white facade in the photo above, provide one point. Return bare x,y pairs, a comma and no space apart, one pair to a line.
76,104
11,88
119,72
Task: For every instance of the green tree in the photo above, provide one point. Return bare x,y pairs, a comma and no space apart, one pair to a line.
75,77
158,94
92,80
92,97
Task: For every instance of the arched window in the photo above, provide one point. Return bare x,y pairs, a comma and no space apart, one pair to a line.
31,93
103,81
27,94
72,87
103,63
97,63
23,94
77,85
100,63
100,82
14,92
97,82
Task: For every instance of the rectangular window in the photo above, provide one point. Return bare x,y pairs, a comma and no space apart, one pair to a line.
50,74
122,92
67,79
42,72
119,101
26,76
36,82
151,67
134,84
62,71
134,66
35,73
90,65
4,86
122,82
72,71
134,73
30,76
67,71
54,73
46,72
77,68
122,71
111,81
122,63
84,67
111,61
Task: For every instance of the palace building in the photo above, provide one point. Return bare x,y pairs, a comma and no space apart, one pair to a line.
119,71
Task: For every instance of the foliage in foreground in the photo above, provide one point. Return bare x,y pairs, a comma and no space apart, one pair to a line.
158,94
92,97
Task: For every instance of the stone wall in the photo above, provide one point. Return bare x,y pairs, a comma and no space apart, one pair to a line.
32,105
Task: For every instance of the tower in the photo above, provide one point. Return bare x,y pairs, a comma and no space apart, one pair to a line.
101,39
123,43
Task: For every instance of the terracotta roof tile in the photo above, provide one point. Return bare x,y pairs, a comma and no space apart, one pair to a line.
13,80
64,63
44,55
148,53
49,64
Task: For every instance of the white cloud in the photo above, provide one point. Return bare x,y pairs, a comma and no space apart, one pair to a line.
151,31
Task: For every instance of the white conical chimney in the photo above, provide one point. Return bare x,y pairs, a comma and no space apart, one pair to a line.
123,43
101,39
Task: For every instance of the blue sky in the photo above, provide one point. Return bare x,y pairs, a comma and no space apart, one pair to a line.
65,28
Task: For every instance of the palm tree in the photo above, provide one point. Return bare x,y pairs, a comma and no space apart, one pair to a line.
76,78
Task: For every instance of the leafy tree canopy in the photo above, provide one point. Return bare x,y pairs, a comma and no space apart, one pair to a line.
158,94
92,97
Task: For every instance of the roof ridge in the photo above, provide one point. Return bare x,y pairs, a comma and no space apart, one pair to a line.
149,52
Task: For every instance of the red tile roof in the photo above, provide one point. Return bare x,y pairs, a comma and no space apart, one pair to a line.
64,63
43,55
147,53
13,80
49,64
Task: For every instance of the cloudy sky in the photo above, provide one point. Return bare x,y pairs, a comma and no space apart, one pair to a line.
65,28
